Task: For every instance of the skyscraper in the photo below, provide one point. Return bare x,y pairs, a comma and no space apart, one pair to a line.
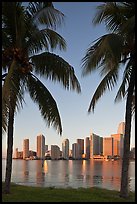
80,143
108,146
55,152
25,148
75,151
118,144
96,145
121,128
16,153
87,148
40,146
65,149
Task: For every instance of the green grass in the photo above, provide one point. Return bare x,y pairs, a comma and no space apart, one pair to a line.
40,194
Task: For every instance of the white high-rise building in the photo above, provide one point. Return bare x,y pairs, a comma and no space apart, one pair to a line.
25,148
40,146
65,149
121,128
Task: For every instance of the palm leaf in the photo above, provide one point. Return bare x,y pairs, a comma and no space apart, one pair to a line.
108,82
55,68
45,13
47,105
45,39
12,92
104,54
125,82
114,14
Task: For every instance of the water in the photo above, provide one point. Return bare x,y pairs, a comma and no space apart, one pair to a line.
71,173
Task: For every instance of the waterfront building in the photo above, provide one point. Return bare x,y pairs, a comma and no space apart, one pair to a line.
16,153
41,146
87,148
65,149
121,128
55,152
25,148
20,155
108,146
118,144
75,151
96,145
80,143
32,153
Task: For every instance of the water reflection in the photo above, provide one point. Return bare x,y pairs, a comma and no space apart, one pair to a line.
111,177
74,173
25,170
45,166
40,174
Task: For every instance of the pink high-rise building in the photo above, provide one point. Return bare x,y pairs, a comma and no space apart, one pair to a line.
108,146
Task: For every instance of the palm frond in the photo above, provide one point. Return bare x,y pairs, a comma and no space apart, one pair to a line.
57,69
113,14
108,82
47,105
45,13
104,54
125,82
12,93
44,40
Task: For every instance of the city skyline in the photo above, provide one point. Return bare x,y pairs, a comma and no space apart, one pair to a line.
78,140
79,33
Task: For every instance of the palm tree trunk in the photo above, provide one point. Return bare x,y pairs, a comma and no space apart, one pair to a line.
9,151
124,191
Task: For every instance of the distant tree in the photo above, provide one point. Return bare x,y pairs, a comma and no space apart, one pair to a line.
109,54
28,33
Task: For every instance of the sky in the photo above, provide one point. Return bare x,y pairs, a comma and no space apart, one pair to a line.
79,32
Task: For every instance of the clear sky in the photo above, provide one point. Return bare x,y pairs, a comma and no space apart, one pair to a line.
79,33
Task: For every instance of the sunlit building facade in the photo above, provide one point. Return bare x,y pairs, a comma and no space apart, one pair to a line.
80,143
108,146
25,148
118,144
75,151
41,146
65,149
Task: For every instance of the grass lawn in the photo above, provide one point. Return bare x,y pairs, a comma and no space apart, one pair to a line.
40,194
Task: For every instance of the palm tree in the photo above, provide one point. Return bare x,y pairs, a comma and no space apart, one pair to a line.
28,34
109,54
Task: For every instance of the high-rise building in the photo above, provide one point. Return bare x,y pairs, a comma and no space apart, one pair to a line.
41,146
96,145
80,143
16,153
121,128
25,148
118,144
55,152
75,151
65,149
108,146
87,148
